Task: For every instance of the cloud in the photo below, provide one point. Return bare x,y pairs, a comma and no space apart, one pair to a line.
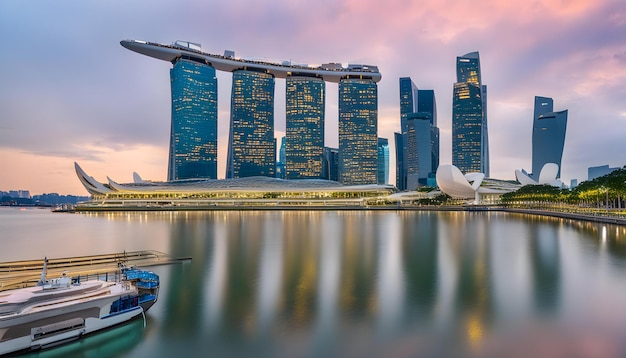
69,89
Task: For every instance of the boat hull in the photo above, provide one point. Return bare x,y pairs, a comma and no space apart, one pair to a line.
65,321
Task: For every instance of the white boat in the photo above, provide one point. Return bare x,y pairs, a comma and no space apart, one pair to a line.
59,310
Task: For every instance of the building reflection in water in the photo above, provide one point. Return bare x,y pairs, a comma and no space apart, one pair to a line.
343,283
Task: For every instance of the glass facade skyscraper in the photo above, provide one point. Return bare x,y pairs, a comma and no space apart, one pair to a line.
251,144
305,105
470,141
420,142
417,146
383,160
193,136
548,135
358,131
251,147
408,105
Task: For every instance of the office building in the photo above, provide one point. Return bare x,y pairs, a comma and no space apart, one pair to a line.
470,141
251,145
358,131
304,127
408,105
193,136
417,146
548,135
383,161
602,170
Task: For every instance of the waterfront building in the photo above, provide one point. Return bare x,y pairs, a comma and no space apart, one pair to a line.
470,141
474,186
251,143
547,175
418,139
193,135
419,146
548,135
358,131
383,161
426,103
238,193
330,164
305,101
602,170
408,105
400,166
20,194
249,146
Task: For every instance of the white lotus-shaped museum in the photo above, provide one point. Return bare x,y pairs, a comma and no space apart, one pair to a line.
546,176
472,185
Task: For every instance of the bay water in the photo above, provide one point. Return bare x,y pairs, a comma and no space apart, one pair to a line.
350,283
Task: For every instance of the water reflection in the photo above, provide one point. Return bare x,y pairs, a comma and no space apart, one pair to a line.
369,284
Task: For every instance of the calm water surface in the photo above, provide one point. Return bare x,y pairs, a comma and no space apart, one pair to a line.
351,284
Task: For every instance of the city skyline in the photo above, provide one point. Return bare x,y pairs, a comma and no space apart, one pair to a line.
71,93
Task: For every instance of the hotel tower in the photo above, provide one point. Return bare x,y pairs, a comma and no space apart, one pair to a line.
251,143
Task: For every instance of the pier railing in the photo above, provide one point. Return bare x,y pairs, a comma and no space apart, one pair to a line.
17,274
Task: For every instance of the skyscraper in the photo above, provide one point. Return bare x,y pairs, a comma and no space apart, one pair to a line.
383,160
427,105
358,131
420,143
417,146
193,136
470,142
304,126
251,144
408,105
548,135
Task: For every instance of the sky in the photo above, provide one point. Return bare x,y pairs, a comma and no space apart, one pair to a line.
69,92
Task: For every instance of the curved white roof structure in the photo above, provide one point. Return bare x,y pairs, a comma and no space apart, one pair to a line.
331,72
546,176
470,186
240,185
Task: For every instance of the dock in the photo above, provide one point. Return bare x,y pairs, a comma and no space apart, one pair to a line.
17,274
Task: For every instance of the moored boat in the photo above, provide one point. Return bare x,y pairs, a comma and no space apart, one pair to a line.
60,310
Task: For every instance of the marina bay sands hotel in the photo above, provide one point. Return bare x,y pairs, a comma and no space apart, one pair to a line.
251,143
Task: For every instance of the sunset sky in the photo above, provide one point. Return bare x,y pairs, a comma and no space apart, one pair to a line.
69,92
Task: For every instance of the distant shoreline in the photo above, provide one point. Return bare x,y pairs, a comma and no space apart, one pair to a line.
538,212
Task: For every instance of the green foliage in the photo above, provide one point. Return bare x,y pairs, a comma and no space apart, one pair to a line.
611,186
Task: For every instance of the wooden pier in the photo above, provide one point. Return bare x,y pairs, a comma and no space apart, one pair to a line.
18,274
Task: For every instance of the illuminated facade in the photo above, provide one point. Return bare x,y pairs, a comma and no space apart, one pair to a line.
193,137
251,147
470,142
304,140
251,144
383,161
358,131
548,135
207,194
